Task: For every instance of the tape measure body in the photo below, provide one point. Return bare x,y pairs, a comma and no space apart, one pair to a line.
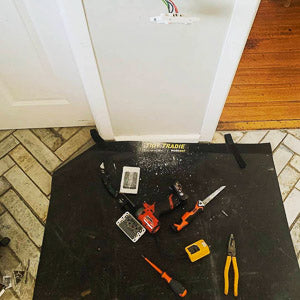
197,250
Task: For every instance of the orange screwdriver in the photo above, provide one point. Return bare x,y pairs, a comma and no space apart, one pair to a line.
175,285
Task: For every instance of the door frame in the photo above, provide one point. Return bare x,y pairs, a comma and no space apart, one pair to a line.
75,22
73,15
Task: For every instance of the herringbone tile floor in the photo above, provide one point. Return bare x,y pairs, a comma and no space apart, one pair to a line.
29,157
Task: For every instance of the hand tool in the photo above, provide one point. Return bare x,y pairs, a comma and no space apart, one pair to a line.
144,214
175,285
176,197
197,250
189,216
148,214
231,256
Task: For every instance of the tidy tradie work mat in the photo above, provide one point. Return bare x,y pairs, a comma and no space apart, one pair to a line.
86,256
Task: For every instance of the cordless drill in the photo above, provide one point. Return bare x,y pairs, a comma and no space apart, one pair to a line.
149,215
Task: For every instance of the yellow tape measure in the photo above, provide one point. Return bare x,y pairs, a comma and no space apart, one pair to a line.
197,250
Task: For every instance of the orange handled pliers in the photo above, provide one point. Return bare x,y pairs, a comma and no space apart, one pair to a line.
231,256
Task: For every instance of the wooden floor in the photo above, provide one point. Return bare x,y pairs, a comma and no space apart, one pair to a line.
266,89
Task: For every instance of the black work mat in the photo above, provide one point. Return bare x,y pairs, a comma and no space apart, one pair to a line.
84,251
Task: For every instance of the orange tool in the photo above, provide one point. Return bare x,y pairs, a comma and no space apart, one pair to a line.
176,286
189,216
231,256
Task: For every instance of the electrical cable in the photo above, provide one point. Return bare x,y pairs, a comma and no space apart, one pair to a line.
165,2
174,6
171,6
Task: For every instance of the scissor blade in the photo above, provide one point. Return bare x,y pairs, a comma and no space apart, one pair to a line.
213,195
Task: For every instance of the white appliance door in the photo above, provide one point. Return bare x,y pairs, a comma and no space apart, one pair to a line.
167,82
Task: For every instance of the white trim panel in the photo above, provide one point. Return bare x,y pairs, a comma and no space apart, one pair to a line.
75,22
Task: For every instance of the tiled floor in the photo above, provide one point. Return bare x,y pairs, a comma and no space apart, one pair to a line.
29,157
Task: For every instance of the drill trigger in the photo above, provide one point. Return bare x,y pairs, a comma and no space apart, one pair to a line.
171,202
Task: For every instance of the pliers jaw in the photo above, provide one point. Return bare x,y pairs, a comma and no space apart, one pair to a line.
231,246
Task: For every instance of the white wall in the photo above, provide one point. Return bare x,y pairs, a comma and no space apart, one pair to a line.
157,79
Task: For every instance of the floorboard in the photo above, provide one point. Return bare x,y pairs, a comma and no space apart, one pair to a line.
266,87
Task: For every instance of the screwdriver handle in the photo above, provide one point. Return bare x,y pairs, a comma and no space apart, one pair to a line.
178,288
175,285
